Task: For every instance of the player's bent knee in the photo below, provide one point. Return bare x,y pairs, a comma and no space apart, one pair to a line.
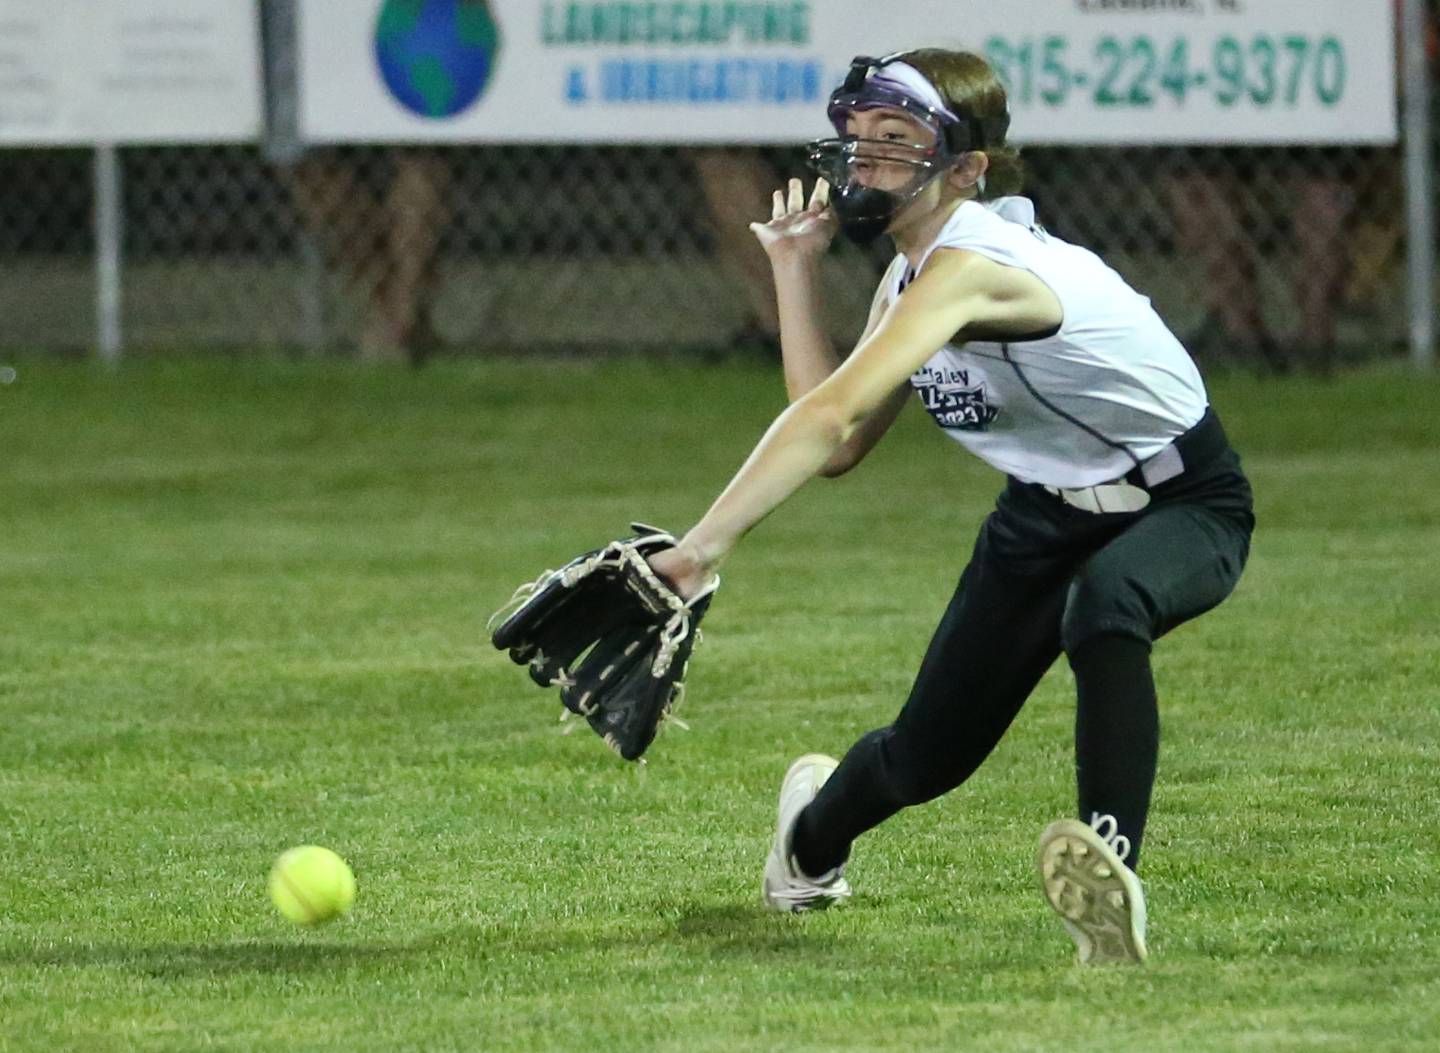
1097,605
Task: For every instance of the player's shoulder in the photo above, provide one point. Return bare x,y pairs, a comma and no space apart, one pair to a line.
988,220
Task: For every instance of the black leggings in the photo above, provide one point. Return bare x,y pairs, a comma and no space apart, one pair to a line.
1045,578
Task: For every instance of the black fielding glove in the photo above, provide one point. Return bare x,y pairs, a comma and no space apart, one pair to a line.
612,634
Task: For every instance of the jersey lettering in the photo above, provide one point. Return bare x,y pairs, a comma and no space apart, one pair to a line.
954,398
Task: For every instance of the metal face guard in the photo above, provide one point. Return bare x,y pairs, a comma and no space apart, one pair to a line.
866,211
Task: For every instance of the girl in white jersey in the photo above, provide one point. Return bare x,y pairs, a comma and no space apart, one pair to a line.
1125,511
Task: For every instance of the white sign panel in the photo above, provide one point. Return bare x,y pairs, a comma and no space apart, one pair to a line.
129,71
1224,71
1078,71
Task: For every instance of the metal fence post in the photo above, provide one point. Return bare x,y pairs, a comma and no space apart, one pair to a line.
279,40
282,146
1419,203
109,236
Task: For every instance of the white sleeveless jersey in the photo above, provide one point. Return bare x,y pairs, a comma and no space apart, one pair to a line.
1079,407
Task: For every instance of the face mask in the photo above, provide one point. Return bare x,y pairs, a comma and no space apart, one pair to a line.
866,211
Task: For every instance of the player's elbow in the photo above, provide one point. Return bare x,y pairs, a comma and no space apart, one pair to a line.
839,427
839,464
828,418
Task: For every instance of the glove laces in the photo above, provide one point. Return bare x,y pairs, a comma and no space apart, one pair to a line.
677,627
517,599
675,630
612,555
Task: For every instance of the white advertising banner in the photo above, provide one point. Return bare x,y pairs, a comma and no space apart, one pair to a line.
1078,71
129,71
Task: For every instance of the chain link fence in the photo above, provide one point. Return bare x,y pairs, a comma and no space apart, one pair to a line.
1258,257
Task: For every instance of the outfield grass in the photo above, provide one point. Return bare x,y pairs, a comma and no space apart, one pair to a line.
242,607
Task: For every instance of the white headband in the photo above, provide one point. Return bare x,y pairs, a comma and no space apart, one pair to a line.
905,78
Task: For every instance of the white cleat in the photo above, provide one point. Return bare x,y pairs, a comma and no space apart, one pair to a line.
785,887
1097,896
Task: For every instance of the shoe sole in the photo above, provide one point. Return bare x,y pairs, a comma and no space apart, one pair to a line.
819,902
1096,895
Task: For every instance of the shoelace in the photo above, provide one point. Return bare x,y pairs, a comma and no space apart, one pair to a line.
1118,842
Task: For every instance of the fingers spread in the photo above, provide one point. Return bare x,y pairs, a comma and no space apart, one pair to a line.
821,197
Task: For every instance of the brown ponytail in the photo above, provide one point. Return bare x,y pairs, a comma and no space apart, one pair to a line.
970,87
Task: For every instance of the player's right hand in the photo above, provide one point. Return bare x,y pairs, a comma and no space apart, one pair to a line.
797,228
682,569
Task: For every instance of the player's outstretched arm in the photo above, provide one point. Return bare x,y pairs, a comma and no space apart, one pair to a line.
958,290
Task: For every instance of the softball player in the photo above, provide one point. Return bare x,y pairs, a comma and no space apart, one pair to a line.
1124,514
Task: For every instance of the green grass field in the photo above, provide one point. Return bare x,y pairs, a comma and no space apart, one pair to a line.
242,606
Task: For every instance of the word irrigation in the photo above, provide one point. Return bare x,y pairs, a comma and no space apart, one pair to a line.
1266,71
730,81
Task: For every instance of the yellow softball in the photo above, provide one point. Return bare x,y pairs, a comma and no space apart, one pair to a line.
311,885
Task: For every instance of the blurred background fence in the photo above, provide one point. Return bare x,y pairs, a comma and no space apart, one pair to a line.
571,248
1256,255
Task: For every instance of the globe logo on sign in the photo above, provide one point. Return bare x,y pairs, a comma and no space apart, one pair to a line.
436,55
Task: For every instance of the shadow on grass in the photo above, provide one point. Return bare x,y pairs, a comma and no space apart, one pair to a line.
698,930
742,929
706,930
197,959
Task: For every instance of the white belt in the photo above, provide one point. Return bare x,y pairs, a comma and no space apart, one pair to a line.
1107,497
1121,496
